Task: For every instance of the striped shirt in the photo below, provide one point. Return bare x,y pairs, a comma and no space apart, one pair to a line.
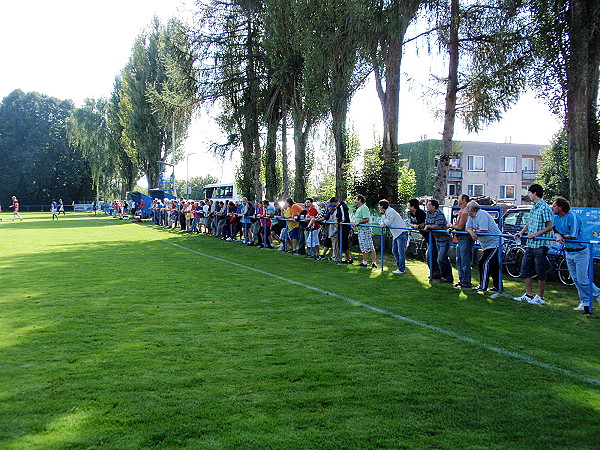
438,218
539,216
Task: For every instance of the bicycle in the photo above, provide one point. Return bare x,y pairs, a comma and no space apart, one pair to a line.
555,258
417,246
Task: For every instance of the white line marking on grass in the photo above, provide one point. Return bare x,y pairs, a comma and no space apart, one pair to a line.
492,348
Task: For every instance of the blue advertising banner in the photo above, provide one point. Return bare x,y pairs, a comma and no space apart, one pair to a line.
590,219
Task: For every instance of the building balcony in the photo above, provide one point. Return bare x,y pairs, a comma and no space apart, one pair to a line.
455,174
529,175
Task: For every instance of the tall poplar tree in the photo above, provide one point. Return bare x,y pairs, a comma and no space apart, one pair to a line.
567,43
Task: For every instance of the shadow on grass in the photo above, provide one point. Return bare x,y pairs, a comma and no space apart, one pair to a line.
132,344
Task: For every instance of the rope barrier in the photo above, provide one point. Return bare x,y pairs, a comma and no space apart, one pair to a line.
227,217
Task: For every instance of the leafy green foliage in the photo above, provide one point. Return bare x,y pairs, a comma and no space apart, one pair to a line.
407,181
36,161
196,184
154,104
554,168
421,158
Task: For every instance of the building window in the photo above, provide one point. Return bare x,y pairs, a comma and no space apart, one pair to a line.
475,190
509,164
507,192
527,164
450,190
476,163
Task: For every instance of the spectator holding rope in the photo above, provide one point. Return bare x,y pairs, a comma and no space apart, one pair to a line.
480,221
534,261
290,212
464,247
391,218
416,217
435,220
567,227
312,229
362,216
342,218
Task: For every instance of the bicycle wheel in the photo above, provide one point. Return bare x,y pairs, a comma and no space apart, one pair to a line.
563,273
512,261
422,250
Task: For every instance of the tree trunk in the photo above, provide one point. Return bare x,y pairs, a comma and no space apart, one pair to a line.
252,112
390,104
284,154
441,179
582,93
302,127
272,188
341,142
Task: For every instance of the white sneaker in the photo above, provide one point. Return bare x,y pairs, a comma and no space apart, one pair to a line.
579,308
398,272
523,298
536,300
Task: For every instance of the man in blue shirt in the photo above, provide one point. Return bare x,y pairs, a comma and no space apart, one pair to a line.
567,227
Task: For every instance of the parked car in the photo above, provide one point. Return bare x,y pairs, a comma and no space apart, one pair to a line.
515,219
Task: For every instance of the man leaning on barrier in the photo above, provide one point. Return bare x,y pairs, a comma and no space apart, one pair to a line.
481,221
464,244
342,219
362,216
391,218
435,220
534,261
567,227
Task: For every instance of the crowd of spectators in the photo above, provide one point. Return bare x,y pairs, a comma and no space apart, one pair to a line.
321,231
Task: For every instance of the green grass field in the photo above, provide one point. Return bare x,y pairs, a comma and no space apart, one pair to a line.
111,336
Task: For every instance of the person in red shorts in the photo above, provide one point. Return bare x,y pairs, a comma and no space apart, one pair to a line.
15,207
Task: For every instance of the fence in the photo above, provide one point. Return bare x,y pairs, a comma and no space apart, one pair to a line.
382,236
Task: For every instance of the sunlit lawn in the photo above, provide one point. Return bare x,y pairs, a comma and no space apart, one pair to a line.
111,336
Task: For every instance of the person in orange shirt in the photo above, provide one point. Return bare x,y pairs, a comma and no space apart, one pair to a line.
291,212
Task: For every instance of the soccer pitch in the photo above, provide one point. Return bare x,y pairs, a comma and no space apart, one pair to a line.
122,335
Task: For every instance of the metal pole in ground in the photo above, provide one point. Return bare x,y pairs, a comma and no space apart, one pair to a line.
589,309
382,243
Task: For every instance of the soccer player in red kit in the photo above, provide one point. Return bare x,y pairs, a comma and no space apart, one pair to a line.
15,207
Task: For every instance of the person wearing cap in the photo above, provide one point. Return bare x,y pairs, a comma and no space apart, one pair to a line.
342,219
362,216
567,227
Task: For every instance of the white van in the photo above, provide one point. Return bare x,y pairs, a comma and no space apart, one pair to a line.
221,191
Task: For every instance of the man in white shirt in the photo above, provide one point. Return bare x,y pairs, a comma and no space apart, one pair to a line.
391,218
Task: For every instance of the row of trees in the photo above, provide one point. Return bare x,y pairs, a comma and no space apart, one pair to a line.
265,64
36,161
146,118
266,59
